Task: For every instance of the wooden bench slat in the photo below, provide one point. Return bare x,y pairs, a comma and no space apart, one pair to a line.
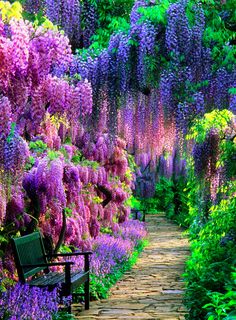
54,278
79,278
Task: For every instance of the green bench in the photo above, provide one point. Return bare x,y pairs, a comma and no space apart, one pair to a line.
31,259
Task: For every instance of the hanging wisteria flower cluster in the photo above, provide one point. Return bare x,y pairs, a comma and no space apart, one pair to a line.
156,111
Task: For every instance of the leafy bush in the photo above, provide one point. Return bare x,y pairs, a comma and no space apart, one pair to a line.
223,306
212,203
113,16
170,197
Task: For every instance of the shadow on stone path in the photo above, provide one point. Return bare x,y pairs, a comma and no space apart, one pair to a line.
153,289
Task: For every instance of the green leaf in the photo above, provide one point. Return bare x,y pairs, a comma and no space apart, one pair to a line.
232,91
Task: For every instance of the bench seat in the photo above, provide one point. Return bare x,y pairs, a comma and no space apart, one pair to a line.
52,279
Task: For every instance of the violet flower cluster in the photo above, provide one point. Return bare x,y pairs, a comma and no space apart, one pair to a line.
132,230
110,251
24,303
160,117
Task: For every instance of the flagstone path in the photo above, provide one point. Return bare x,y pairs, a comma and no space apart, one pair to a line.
153,289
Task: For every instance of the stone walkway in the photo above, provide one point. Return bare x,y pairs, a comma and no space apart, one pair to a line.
153,289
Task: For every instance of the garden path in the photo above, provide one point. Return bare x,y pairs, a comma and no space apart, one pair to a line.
153,289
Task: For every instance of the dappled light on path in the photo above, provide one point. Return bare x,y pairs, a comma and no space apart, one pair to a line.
154,288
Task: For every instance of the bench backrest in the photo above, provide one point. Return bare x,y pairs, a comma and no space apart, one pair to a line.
27,250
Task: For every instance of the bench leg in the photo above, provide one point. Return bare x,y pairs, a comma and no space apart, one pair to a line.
87,294
69,309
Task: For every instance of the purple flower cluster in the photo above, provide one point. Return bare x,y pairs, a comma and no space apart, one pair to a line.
33,6
90,21
108,253
64,13
135,14
5,117
206,154
62,97
24,303
177,31
16,153
123,71
220,86
132,230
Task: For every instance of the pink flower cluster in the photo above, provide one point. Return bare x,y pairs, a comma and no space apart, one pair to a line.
28,57
58,165
83,188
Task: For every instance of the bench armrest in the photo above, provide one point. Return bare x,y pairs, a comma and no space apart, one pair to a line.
51,264
76,253
69,254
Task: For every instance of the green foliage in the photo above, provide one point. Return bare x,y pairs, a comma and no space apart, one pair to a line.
113,16
207,271
156,13
132,164
101,38
52,155
222,306
220,31
88,163
30,163
76,159
171,197
12,132
164,194
106,230
150,205
38,146
5,283
133,203
40,20
216,119
232,91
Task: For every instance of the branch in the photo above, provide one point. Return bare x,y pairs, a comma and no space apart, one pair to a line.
107,193
62,233
36,212
148,165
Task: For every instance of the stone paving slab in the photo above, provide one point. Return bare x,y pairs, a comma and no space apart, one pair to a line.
153,289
